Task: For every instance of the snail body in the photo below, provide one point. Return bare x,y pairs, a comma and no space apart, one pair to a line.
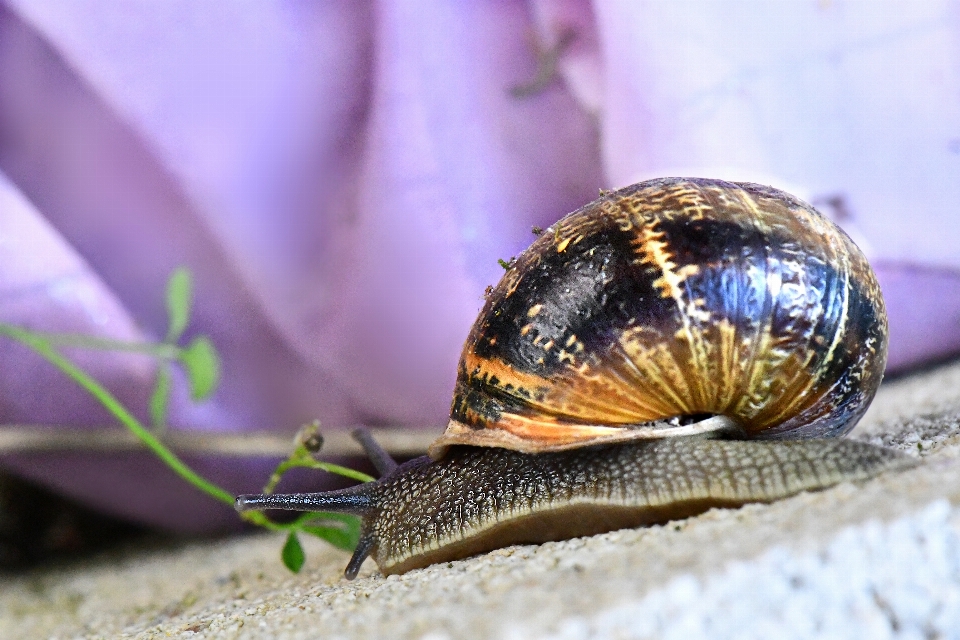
676,345
477,499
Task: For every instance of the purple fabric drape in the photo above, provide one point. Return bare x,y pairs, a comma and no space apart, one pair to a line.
342,177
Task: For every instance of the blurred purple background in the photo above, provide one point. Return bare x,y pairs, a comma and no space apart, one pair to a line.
341,177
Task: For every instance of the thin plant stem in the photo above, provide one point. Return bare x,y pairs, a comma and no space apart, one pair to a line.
71,340
309,463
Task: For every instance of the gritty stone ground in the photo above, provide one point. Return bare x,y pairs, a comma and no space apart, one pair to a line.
879,559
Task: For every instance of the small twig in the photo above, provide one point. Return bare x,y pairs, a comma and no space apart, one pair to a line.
19,438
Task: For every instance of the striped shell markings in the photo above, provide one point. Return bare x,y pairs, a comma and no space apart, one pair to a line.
674,297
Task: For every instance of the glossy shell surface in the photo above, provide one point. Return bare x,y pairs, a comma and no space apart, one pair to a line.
674,297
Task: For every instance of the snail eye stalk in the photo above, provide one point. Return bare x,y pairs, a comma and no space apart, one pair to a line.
355,500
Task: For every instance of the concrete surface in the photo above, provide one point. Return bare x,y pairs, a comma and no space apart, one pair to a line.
881,559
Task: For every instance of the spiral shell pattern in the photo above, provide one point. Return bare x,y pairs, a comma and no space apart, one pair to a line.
674,297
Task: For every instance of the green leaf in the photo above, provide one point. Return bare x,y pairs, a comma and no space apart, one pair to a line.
344,536
203,367
160,397
292,555
179,301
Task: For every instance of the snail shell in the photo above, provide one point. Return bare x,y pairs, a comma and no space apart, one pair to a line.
606,345
674,297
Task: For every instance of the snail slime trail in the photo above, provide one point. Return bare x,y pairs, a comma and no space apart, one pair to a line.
582,387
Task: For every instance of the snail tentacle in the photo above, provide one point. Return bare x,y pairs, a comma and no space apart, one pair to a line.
382,461
358,500
364,546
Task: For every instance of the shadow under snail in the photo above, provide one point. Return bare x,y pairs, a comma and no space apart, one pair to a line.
677,345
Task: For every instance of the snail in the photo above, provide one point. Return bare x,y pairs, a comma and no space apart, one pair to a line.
676,345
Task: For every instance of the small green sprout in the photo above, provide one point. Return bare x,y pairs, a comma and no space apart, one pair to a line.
200,363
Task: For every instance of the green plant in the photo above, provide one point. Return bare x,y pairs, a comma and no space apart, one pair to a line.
201,364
